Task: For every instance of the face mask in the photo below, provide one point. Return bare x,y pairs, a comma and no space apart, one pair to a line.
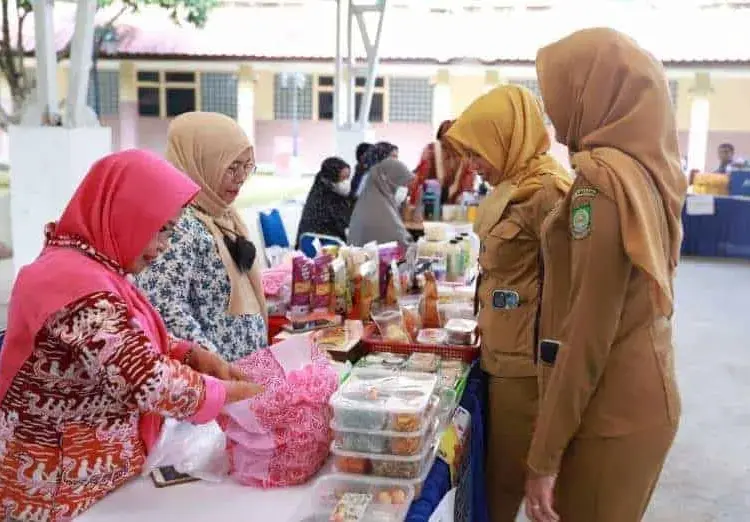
342,188
401,194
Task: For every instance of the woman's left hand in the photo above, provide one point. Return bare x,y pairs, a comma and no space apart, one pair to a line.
539,498
204,361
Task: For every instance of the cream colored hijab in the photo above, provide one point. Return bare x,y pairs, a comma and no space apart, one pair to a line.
609,102
203,145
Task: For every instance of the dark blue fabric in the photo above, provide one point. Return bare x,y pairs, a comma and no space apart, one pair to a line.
2,338
471,493
307,247
724,234
272,227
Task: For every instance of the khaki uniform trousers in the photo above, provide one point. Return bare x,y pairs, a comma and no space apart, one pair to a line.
513,404
611,479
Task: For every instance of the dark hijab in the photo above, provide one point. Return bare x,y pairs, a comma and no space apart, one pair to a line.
326,211
371,157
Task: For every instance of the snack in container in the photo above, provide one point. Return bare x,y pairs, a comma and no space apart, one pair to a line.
432,336
430,315
387,253
455,310
340,296
390,325
386,442
383,360
380,400
333,497
423,362
461,331
409,306
365,291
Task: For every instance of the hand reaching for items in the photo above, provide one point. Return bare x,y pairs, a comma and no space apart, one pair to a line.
204,361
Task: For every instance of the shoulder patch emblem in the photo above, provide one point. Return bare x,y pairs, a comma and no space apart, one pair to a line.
585,193
580,220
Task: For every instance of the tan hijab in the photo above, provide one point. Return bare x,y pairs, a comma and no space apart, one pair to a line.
506,127
609,102
203,145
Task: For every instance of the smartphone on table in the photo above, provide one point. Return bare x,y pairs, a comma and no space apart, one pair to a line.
168,476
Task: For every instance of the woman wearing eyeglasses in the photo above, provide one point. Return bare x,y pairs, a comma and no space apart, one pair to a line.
208,286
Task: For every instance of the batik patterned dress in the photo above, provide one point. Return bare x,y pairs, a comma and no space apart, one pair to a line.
190,287
69,421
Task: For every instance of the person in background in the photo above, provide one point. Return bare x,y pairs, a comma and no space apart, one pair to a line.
610,408
504,131
87,369
359,168
372,157
328,208
726,157
208,286
439,161
376,214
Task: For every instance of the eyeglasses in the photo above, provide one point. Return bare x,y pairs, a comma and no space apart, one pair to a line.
240,171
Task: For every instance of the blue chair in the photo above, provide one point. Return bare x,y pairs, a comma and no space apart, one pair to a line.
307,243
272,228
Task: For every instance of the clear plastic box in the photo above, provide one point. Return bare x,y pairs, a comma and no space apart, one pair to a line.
372,500
385,442
381,400
380,465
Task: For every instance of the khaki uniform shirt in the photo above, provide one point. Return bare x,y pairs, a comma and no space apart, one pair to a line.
613,373
510,259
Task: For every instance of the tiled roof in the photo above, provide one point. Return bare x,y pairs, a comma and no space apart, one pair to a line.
308,33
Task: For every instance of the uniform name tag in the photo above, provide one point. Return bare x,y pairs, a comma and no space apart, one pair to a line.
505,299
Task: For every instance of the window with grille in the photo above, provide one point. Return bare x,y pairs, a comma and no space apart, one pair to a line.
288,87
674,89
410,100
530,84
219,93
324,92
104,95
164,94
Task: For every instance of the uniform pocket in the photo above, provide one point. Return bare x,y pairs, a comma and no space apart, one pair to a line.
496,251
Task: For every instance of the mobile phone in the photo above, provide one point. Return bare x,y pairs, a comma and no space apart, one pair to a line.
168,476
548,351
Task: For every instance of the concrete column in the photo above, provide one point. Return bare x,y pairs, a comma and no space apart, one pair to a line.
699,122
128,106
47,163
441,99
246,100
492,79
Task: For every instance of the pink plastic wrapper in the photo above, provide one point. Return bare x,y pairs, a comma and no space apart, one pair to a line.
282,437
302,283
387,252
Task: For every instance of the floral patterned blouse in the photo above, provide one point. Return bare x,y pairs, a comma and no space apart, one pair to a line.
69,421
190,287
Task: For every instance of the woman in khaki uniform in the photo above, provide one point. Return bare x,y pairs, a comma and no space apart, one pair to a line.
610,408
504,132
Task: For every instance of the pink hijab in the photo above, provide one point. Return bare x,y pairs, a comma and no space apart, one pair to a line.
123,201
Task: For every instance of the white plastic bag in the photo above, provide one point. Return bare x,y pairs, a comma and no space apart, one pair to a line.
198,450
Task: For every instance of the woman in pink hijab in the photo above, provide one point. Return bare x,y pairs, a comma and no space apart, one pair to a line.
87,370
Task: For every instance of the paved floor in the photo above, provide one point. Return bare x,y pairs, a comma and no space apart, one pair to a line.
707,477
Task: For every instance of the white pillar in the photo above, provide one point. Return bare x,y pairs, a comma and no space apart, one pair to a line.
441,99
246,100
699,122
47,163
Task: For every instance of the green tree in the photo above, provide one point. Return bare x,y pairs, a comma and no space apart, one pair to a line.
12,55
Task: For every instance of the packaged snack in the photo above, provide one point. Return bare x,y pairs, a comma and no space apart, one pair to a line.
394,285
302,276
390,325
378,400
341,297
321,295
461,331
330,250
423,362
430,315
432,336
387,253
409,306
365,291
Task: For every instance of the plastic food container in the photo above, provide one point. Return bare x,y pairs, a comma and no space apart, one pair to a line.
391,325
383,400
361,499
382,465
382,360
423,362
410,315
455,310
435,231
432,336
461,331
386,442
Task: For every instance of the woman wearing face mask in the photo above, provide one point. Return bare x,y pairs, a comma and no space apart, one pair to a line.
504,132
376,214
87,369
328,208
208,287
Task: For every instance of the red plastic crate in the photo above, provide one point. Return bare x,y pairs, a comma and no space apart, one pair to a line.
372,342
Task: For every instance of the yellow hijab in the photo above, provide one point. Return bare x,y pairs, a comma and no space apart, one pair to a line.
506,127
609,102
203,145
